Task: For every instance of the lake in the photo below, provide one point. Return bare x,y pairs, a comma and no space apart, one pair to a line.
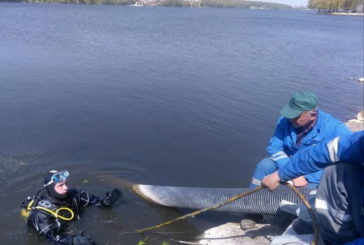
168,96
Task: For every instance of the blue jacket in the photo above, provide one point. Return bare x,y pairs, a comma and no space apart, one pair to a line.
349,149
282,145
359,241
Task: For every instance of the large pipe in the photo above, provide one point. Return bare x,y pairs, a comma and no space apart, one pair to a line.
261,202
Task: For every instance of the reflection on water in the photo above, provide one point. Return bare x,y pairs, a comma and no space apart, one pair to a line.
169,96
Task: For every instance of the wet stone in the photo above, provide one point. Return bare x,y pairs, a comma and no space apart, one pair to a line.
232,234
247,224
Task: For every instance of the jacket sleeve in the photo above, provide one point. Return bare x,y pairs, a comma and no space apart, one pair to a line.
88,199
351,148
83,199
342,130
359,241
276,144
47,227
345,149
309,160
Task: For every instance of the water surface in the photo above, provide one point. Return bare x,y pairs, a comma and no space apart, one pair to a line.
170,96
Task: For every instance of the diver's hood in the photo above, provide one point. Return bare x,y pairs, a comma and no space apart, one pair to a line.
51,187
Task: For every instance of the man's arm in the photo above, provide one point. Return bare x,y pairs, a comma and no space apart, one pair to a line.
276,144
307,161
342,130
87,199
276,149
359,241
348,149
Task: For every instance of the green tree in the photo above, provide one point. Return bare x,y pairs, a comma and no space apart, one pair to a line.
328,6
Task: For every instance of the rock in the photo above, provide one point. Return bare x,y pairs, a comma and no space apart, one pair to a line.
247,224
232,234
360,116
356,124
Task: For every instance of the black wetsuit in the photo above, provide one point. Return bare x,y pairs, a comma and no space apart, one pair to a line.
52,228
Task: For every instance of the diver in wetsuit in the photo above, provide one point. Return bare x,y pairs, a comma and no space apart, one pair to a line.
55,205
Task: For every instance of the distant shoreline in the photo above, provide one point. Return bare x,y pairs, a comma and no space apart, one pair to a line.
168,3
248,4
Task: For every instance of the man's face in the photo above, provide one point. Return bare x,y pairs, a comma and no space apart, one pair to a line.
303,120
61,188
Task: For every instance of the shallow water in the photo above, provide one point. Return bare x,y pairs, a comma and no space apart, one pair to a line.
170,96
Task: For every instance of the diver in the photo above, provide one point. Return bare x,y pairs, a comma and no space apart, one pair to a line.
54,205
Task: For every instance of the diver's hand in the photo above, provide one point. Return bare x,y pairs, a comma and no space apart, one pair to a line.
271,181
111,198
82,239
300,181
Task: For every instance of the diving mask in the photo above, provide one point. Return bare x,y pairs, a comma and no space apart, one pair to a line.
58,176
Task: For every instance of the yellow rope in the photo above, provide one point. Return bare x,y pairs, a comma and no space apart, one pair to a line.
310,211
234,198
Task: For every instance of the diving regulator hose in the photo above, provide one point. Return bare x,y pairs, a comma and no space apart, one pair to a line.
25,212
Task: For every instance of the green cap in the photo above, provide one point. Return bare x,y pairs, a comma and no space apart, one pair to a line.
299,102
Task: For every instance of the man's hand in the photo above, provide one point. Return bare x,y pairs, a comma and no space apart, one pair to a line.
300,181
111,198
271,181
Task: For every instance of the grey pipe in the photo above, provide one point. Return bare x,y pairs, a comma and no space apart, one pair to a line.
261,202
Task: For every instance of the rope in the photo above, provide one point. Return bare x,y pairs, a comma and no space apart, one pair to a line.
234,198
310,211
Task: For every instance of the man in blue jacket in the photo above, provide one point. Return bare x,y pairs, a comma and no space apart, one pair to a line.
301,125
339,203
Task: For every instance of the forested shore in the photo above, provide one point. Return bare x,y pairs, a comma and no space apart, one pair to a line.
335,6
322,6
121,2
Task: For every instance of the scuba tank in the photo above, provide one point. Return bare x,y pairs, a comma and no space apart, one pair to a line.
27,206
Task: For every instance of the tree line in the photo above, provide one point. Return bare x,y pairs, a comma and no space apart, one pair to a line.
241,4
329,6
120,2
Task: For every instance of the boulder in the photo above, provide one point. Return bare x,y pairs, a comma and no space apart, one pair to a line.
232,234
